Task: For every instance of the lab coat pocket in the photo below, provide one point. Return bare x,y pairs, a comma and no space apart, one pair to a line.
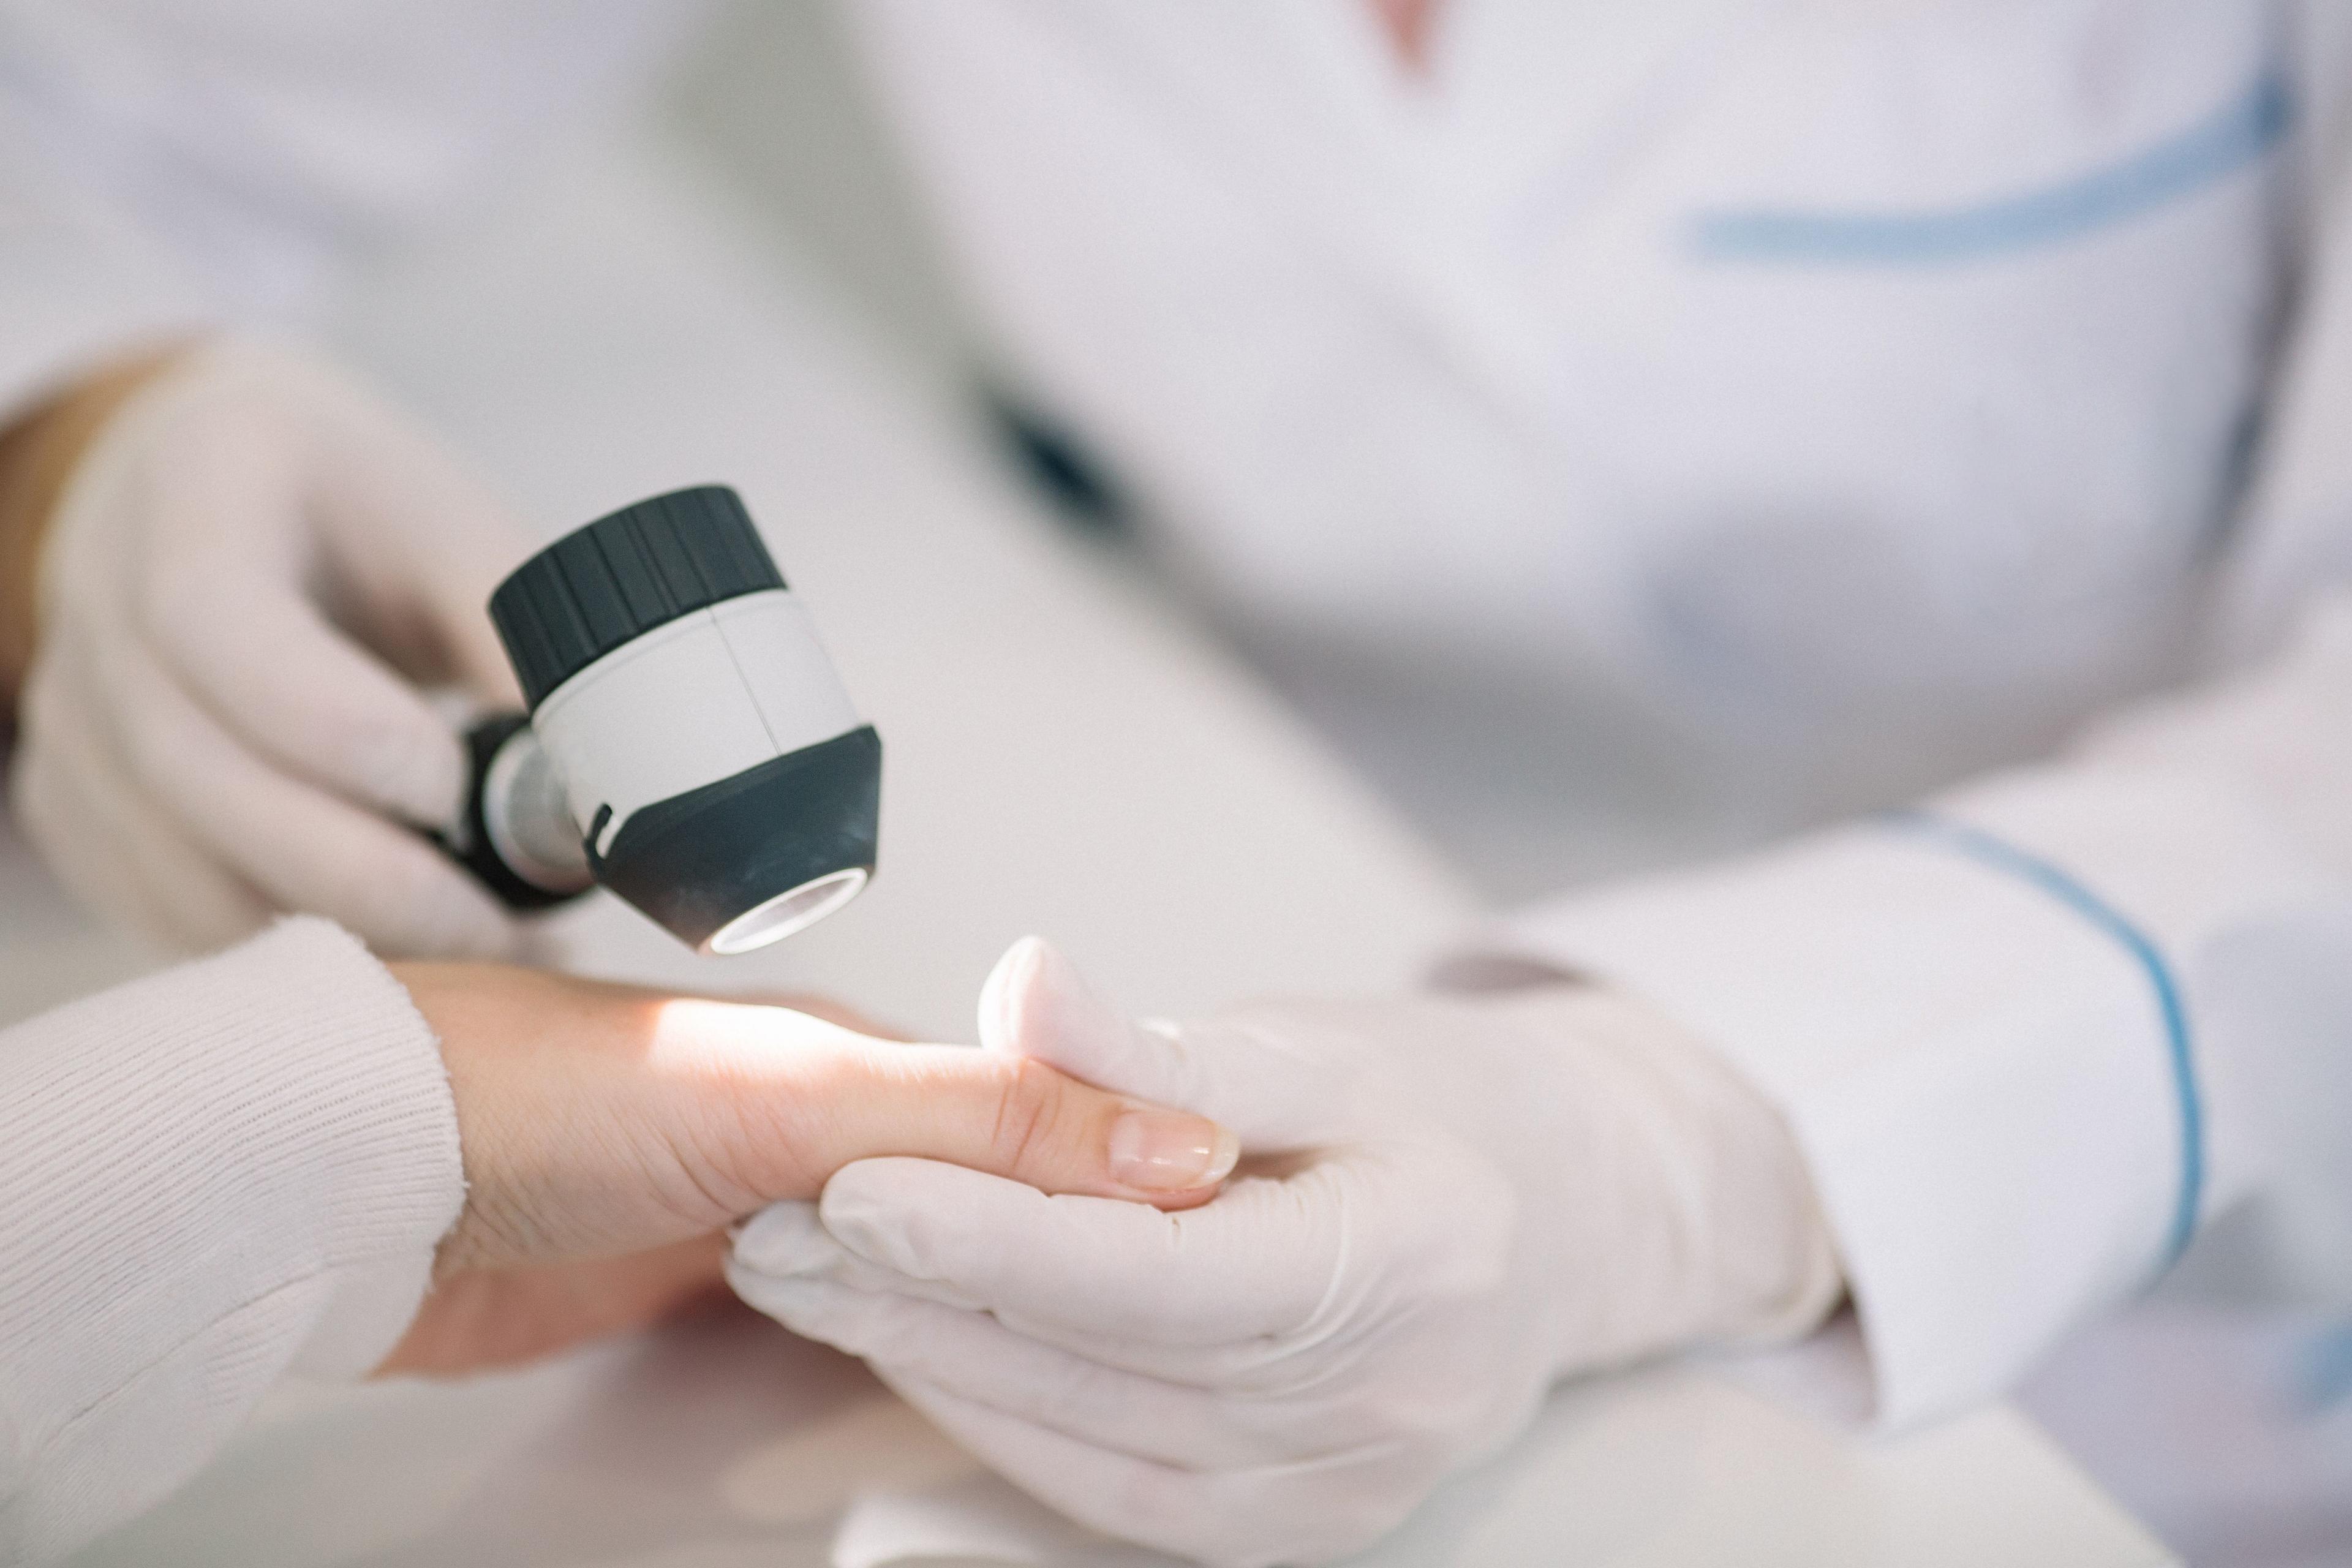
1960,329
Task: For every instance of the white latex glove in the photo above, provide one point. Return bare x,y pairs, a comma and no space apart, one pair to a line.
1446,1205
252,572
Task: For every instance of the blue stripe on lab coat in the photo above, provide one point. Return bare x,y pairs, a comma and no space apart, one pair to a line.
2234,139
2005,857
2326,1370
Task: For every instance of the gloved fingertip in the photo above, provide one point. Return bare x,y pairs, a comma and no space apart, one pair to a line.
447,918
785,1239
1002,995
424,777
1037,1004
864,1211
398,758
850,1321
788,1300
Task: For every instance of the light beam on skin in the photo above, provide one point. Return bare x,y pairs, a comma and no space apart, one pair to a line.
691,1032
781,1097
694,1034
806,1081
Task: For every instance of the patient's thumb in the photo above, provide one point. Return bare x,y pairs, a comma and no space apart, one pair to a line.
1019,1117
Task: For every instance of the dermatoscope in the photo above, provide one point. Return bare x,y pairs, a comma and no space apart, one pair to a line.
689,743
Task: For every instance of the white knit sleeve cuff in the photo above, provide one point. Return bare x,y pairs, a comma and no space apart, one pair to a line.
213,1175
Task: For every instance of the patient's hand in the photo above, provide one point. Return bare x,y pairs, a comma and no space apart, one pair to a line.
610,1134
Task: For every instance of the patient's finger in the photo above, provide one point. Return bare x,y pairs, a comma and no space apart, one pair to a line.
814,1098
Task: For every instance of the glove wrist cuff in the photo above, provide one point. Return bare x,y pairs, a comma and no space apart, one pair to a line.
1725,1239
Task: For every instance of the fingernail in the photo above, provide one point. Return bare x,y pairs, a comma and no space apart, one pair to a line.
1167,1152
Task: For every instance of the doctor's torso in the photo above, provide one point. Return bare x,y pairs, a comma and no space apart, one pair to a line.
1731,412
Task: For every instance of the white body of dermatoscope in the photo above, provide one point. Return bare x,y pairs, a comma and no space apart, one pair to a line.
689,744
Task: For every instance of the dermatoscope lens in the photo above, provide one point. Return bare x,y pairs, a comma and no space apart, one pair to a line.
780,916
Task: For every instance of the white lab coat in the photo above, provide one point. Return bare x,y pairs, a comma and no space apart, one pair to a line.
1510,382
1822,406
1766,411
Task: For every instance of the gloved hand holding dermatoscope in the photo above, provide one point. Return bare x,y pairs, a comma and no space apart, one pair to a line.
689,744
252,577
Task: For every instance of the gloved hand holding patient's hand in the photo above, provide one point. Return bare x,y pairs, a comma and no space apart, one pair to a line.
250,570
611,1135
1448,1205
